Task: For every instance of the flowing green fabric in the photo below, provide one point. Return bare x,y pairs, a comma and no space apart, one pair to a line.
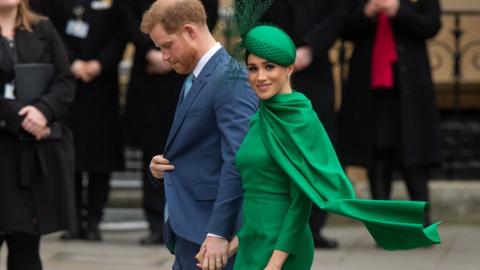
297,141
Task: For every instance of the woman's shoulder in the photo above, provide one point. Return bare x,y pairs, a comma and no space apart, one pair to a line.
44,27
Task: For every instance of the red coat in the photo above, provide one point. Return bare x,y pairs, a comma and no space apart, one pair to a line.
415,22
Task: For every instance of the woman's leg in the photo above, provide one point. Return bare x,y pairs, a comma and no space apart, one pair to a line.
380,174
98,190
416,179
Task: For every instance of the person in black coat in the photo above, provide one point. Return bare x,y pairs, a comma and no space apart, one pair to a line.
36,156
95,44
314,26
153,91
392,124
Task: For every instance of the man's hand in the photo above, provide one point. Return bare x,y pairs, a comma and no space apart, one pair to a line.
304,58
34,122
389,7
371,8
93,69
78,69
213,254
159,165
156,64
86,71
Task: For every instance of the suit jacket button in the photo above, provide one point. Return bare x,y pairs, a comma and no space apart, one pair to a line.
3,123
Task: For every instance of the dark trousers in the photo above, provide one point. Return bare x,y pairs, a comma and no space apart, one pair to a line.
91,198
153,198
23,251
185,252
381,175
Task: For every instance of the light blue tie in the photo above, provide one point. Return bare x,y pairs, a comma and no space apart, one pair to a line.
187,85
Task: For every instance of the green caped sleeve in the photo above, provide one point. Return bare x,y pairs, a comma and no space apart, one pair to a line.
295,220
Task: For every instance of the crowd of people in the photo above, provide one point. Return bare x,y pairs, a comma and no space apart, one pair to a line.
248,151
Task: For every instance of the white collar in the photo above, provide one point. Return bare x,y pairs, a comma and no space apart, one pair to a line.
205,58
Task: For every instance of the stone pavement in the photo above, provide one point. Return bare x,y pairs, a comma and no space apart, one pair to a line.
460,250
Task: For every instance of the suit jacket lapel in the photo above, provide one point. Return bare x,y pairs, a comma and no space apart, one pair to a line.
198,84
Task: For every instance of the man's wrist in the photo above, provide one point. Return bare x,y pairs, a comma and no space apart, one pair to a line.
215,235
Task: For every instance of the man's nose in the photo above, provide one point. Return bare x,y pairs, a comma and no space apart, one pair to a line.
165,56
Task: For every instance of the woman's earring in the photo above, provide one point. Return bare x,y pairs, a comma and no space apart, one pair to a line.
288,76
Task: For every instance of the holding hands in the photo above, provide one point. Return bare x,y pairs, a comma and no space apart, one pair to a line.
215,251
389,7
34,122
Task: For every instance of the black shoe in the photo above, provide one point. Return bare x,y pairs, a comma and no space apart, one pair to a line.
68,235
93,233
152,239
322,242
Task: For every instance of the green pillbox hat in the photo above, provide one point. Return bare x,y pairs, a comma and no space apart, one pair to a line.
270,43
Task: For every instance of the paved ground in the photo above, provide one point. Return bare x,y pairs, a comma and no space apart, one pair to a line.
460,250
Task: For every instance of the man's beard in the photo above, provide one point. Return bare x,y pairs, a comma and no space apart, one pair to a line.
187,62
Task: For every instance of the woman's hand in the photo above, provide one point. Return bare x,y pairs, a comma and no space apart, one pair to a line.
34,122
277,260
233,246
270,267
45,132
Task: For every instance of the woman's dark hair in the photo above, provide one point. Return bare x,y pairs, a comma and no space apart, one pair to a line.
247,53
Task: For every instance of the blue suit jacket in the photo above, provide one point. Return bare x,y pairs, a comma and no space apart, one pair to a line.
204,192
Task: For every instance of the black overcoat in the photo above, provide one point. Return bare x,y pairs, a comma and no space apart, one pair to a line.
36,177
151,99
415,22
318,24
95,118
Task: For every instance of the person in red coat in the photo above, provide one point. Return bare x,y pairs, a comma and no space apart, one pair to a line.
388,119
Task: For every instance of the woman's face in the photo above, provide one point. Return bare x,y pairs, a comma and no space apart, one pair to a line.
8,4
266,78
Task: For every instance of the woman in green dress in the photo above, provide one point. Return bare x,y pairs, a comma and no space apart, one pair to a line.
287,162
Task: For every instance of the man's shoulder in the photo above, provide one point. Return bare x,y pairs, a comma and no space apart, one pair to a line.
229,68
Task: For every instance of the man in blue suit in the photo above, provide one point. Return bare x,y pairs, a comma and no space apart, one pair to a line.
202,187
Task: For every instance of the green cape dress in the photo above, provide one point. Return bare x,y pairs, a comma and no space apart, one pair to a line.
287,162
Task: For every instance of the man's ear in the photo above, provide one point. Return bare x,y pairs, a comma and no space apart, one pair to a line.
190,31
